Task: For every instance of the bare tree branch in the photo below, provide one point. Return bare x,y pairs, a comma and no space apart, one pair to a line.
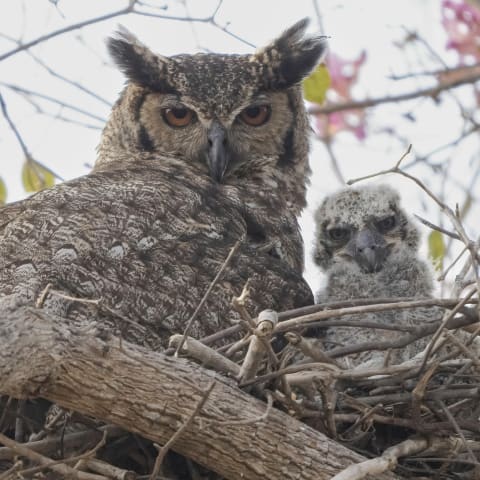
146,387
124,11
469,78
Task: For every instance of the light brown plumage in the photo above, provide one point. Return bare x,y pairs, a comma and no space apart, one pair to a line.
149,228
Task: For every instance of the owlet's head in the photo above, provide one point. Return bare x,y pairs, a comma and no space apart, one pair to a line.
224,116
363,226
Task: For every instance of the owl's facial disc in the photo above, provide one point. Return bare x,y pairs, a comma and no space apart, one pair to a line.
217,151
369,249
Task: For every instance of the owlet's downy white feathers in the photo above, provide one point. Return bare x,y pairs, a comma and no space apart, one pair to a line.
200,151
368,248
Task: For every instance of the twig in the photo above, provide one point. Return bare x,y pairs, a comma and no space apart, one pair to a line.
232,252
320,307
366,415
26,153
259,345
91,301
69,28
430,395
8,474
316,9
440,59
463,348
334,161
77,458
205,355
454,143
12,126
25,91
230,350
305,320
73,83
59,75
457,429
110,471
434,73
357,373
61,468
5,411
163,450
58,115
247,422
225,29
19,424
442,326
455,261
418,393
310,348
70,440
261,334
373,102
437,228
43,295
424,428
208,19
98,302
387,461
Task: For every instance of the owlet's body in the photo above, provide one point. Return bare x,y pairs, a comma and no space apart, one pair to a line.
200,151
367,246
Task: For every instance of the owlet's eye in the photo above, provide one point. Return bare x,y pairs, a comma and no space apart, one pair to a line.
178,117
256,115
386,224
339,234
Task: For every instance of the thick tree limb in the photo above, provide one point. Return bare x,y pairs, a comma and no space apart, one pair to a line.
151,394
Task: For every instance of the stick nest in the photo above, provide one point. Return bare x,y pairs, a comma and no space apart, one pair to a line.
420,417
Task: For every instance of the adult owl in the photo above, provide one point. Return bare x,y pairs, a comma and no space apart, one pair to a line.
200,151
368,247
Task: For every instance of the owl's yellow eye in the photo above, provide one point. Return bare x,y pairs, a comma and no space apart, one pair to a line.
256,115
178,117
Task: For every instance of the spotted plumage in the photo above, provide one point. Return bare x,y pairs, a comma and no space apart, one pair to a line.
200,151
368,248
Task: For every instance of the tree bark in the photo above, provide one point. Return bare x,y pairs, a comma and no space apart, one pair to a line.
145,392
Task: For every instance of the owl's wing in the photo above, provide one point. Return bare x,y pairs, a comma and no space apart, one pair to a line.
148,249
10,212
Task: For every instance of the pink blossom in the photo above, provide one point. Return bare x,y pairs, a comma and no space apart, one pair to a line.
344,75
461,21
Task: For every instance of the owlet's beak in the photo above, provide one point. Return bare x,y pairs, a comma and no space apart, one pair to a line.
369,250
217,153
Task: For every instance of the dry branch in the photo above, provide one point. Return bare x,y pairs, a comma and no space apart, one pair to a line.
150,394
469,77
386,462
58,466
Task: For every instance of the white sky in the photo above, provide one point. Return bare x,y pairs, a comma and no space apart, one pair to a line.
353,25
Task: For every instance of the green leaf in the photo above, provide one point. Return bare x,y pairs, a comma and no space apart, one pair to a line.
436,249
35,177
315,86
3,192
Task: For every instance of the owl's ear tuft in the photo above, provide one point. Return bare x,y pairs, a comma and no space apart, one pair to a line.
139,64
291,57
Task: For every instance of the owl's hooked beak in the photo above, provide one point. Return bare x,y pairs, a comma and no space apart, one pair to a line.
369,250
217,154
